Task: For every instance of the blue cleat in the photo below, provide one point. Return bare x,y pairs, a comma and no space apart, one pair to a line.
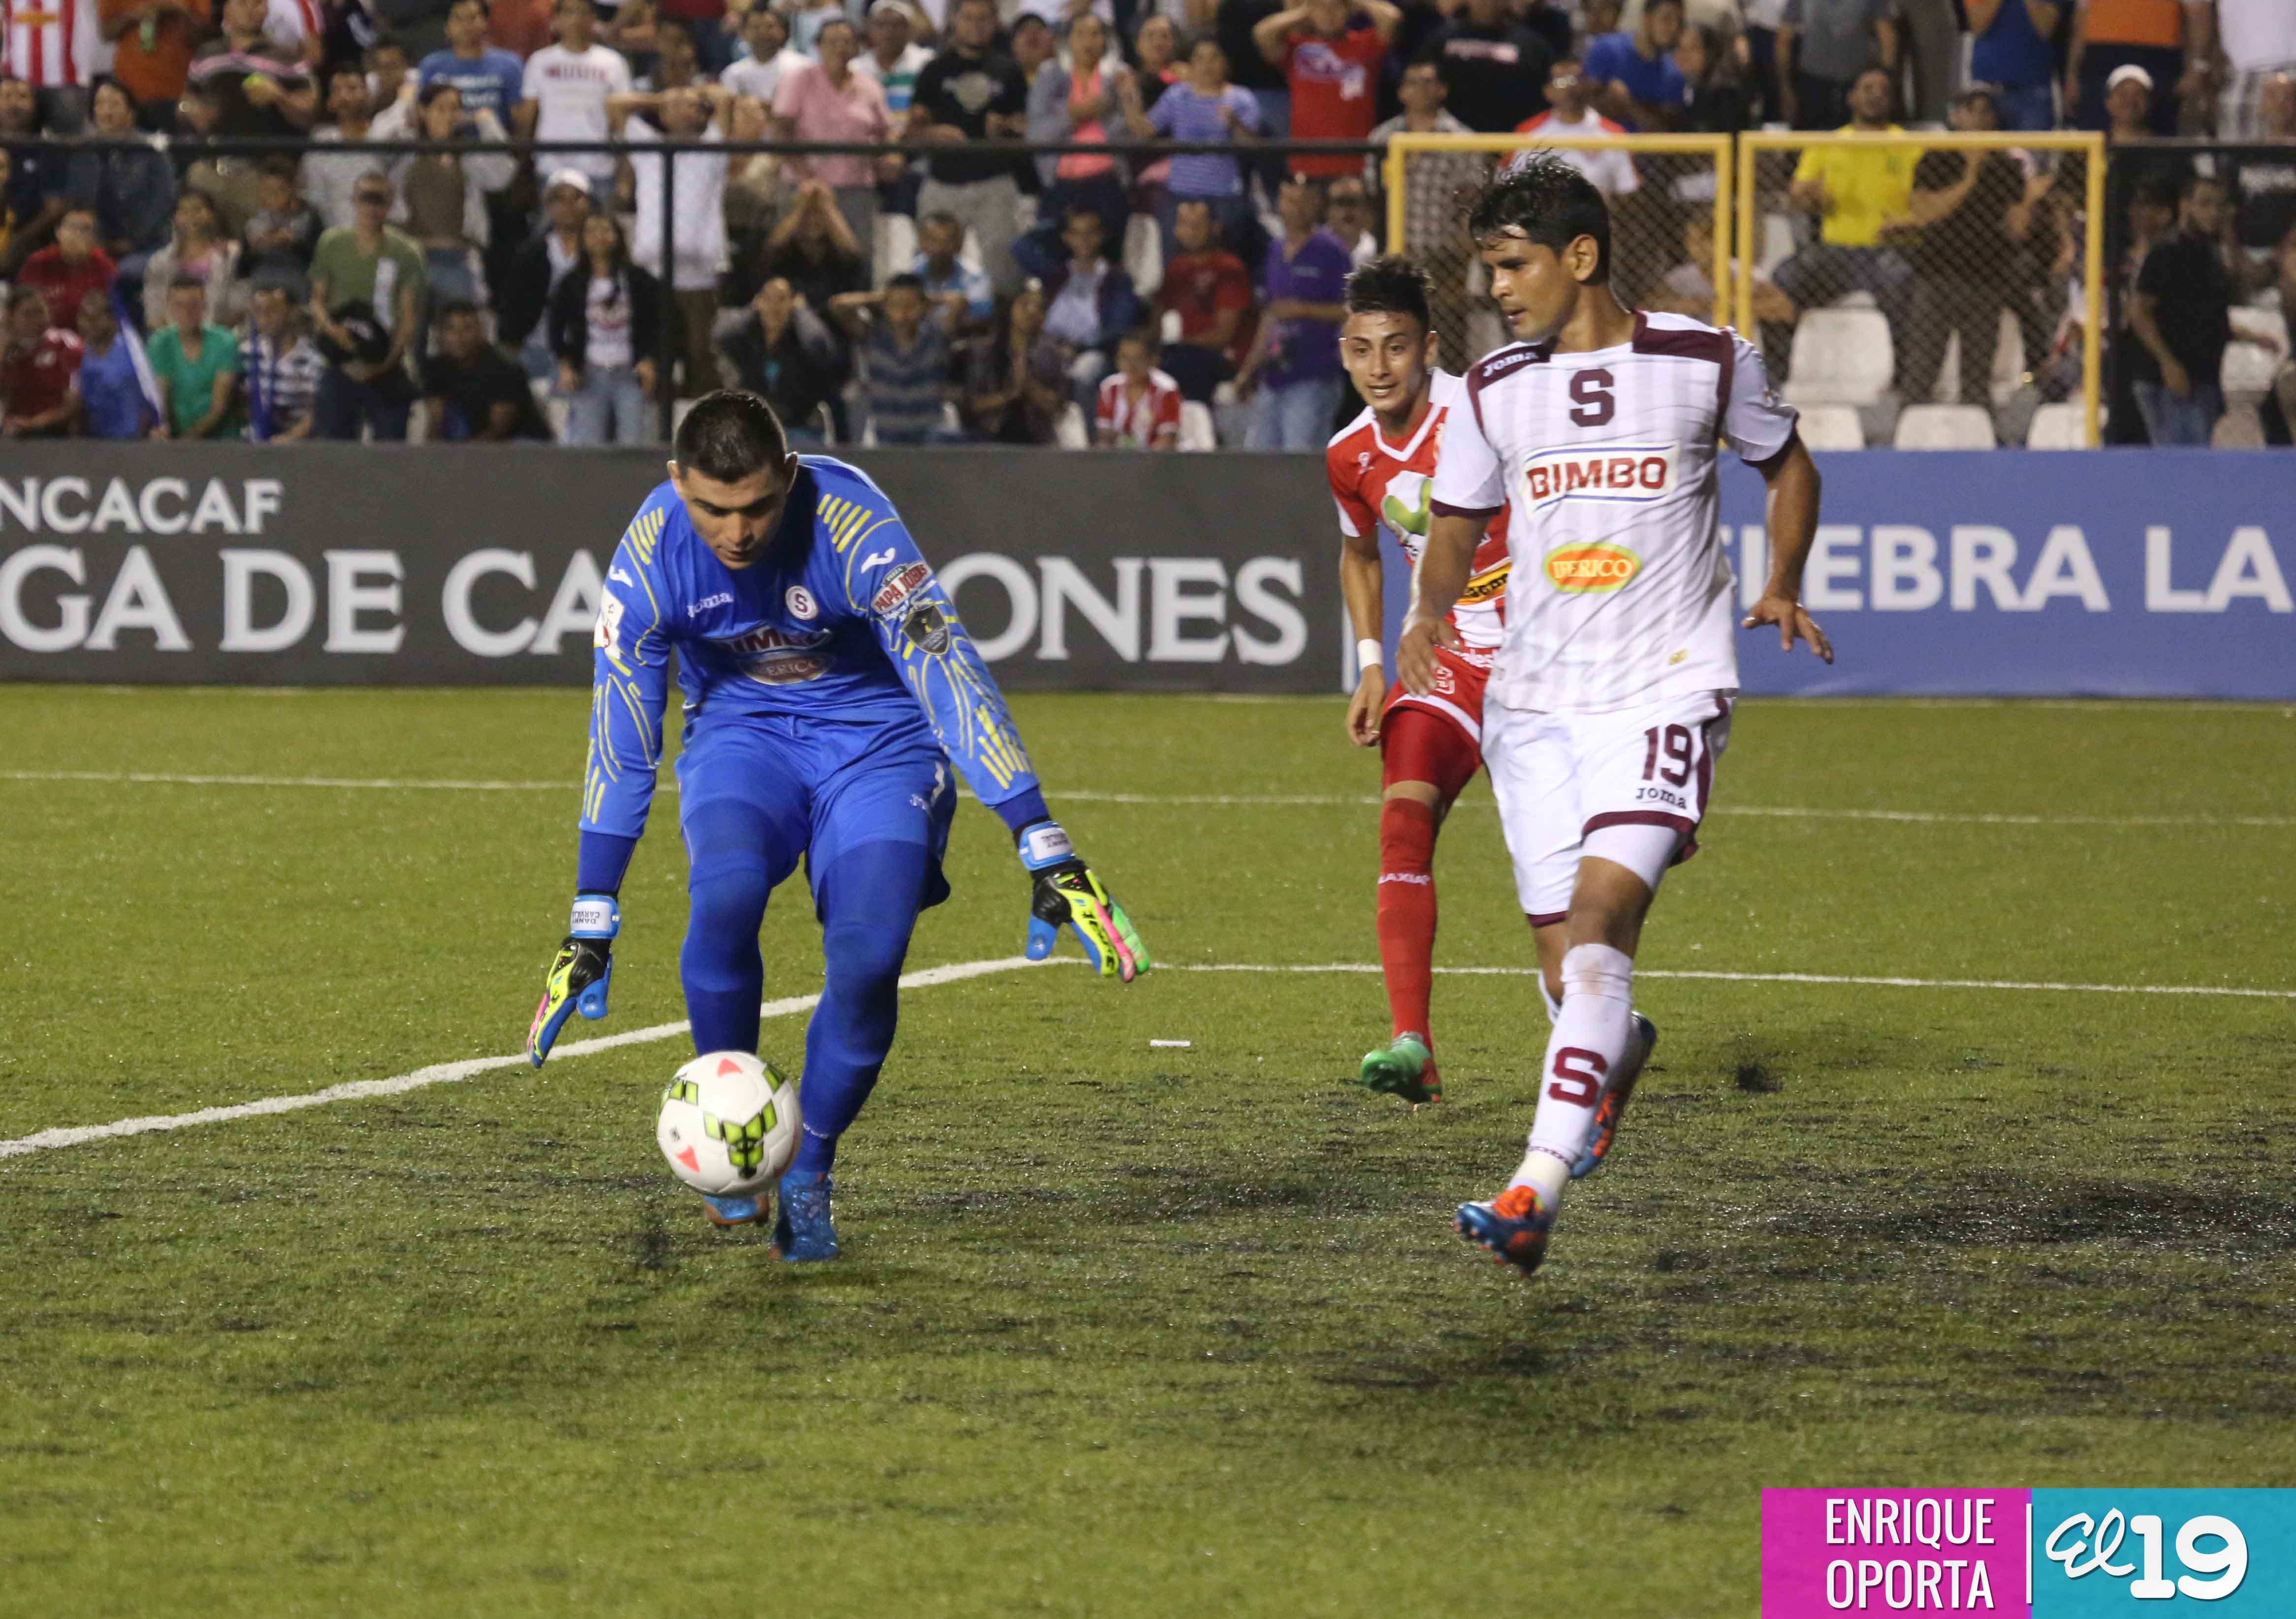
1514,1226
805,1231
1610,1106
736,1210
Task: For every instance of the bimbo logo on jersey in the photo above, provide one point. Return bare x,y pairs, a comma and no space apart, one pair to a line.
780,657
1627,472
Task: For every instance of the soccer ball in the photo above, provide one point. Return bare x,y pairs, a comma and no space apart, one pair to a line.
728,1125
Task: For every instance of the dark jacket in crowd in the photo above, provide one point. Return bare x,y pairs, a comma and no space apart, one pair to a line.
570,314
133,194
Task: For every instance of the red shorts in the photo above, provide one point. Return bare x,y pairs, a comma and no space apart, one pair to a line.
1448,751
1461,673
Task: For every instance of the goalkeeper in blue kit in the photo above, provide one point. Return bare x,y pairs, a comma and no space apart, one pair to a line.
828,686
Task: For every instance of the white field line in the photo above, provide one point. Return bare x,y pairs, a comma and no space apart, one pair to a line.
1214,800
1828,978
449,1073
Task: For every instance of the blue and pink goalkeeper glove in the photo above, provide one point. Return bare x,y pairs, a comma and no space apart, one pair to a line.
579,974
1068,895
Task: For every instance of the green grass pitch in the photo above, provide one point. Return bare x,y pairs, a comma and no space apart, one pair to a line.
1122,1330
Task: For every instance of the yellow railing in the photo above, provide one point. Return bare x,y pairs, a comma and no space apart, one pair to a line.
1737,214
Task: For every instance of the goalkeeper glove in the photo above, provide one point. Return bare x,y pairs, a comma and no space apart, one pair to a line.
1066,894
579,977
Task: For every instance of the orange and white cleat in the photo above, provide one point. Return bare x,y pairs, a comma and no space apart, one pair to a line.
1514,1226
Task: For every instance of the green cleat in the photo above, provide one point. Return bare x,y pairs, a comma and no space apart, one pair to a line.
1404,1068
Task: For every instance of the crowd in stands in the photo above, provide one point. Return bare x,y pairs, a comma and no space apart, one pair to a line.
929,288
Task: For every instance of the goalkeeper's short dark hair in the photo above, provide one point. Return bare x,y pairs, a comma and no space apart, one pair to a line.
1390,285
730,435
1545,198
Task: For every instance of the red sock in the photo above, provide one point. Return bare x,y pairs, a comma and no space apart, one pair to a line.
1407,911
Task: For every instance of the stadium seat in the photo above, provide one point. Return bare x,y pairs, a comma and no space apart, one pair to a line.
1196,431
2247,371
1945,427
1841,356
1777,242
1143,255
2241,427
895,245
1071,433
1832,427
2056,427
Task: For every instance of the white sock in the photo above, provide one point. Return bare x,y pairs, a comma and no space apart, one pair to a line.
1593,1032
1554,1006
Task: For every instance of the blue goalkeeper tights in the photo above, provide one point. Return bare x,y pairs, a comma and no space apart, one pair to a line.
868,899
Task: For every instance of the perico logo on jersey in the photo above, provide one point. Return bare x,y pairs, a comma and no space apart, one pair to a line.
780,657
1630,472
1591,568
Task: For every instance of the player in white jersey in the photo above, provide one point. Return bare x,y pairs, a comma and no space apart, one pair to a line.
1611,697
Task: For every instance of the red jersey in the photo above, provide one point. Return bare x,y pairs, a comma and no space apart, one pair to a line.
1334,93
1375,482
1148,421
1200,285
67,282
36,376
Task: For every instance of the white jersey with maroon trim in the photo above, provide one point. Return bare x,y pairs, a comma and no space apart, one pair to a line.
48,42
1606,461
1376,484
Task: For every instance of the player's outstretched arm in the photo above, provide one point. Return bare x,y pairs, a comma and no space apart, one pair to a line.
630,688
1442,574
887,581
1792,502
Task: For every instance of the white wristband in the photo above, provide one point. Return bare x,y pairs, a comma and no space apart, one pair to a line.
1368,655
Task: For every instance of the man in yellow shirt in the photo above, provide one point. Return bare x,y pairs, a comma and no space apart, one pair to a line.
1855,190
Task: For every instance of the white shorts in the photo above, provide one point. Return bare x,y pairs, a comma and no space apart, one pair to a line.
1628,787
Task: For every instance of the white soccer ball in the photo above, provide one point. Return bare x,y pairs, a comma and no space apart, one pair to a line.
729,1125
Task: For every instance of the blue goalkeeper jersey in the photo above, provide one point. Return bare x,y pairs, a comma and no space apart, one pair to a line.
841,618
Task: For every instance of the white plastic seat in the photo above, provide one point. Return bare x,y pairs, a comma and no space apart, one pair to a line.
1143,255
1071,433
2056,427
1945,427
1832,427
895,249
1777,242
1196,430
1841,356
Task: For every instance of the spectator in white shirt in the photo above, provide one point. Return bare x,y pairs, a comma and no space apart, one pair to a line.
1568,112
765,32
2259,41
698,201
568,86
330,177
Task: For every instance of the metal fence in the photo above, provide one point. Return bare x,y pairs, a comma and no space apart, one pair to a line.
1901,284
1670,214
1960,253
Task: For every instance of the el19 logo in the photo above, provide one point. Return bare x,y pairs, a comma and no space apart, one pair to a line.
2084,1546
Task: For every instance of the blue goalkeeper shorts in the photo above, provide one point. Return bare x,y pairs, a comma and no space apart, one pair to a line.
816,788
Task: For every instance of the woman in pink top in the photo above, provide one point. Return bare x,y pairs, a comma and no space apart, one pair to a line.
1072,104
825,100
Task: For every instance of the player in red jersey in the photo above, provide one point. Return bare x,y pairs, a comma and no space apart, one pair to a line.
1382,466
